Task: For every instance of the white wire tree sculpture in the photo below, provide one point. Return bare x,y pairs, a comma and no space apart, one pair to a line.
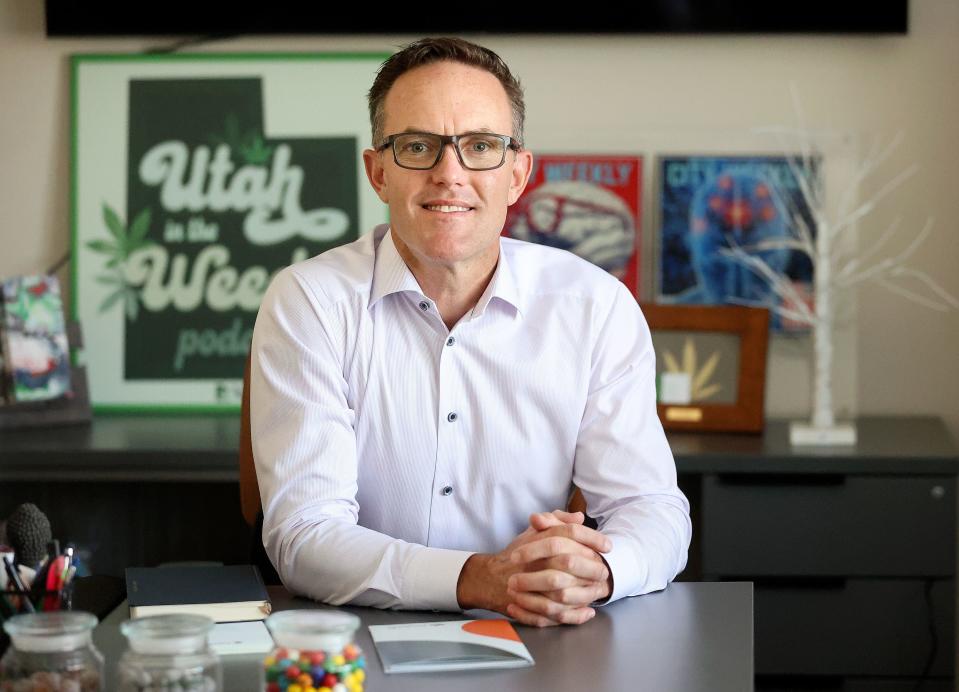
835,271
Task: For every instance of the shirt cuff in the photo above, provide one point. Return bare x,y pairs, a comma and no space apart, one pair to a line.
432,576
627,567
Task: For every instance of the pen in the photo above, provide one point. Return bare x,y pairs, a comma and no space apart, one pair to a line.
6,601
14,576
62,576
40,579
67,562
51,601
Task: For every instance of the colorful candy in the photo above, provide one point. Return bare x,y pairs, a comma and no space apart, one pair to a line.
288,670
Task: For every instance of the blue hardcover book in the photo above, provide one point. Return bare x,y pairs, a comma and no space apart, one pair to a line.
231,593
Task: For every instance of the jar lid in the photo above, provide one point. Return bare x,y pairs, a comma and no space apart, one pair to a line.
168,634
47,632
313,630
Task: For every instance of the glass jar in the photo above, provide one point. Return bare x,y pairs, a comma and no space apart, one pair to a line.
169,652
51,652
314,651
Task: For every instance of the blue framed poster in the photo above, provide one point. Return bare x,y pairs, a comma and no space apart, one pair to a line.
194,179
709,204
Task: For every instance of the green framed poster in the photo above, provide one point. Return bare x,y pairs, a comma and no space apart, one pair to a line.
195,177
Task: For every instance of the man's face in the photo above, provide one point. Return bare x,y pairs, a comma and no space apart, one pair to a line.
447,98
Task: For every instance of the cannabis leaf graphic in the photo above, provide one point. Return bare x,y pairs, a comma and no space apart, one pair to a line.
123,243
257,152
250,146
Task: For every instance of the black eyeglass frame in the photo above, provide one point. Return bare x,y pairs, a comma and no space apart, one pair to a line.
510,143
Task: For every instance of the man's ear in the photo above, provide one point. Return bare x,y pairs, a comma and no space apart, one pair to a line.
522,167
375,173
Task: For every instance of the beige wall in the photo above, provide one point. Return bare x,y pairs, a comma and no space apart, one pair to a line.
641,94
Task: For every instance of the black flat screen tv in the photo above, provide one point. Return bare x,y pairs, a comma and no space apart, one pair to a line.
199,18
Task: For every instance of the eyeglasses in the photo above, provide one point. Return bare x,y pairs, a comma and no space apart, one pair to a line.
477,151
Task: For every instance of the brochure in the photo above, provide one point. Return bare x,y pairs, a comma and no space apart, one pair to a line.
456,645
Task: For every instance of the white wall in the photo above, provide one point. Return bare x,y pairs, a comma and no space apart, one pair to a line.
634,94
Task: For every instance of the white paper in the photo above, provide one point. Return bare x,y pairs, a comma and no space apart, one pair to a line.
241,638
675,388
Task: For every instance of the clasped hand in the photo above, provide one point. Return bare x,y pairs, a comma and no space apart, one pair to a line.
548,575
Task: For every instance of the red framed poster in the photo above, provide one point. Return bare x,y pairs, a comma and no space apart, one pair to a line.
589,205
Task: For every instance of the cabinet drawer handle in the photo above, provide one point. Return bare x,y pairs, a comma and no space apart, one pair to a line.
807,583
794,479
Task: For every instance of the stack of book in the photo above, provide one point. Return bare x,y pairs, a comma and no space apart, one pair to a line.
233,596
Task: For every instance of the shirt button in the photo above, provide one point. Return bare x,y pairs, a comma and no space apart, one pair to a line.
450,341
447,490
451,416
424,306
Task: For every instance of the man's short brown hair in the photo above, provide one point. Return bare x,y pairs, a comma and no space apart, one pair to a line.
430,50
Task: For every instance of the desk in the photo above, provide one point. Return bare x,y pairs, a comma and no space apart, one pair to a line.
852,549
692,637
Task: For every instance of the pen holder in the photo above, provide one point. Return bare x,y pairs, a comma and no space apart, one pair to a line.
42,600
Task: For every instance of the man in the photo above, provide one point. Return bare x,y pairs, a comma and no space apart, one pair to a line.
421,394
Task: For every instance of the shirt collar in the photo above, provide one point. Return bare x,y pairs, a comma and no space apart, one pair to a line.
391,275
503,285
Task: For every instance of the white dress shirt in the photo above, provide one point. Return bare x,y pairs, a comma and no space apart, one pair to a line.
389,448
